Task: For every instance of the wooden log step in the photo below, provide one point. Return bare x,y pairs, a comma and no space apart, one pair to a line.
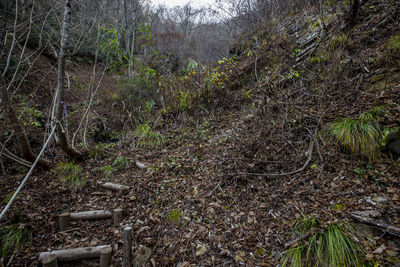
50,261
74,254
65,218
115,187
140,165
90,215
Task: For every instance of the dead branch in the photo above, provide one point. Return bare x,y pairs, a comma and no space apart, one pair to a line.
395,231
309,152
27,175
8,154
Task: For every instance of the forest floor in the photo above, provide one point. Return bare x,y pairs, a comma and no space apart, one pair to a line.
221,217
205,199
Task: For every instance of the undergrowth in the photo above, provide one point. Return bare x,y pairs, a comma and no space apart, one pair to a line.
12,237
362,136
69,174
148,138
331,246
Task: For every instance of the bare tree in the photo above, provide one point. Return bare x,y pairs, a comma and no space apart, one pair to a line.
59,108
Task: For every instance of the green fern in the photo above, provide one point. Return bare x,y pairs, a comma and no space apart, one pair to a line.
69,174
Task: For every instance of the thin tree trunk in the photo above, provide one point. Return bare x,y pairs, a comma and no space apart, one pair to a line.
123,24
355,5
59,108
22,139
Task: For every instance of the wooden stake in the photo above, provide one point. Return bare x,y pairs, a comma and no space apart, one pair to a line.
50,261
91,215
117,218
127,247
64,220
105,257
74,253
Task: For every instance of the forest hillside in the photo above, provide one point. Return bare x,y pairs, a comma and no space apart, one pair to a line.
248,133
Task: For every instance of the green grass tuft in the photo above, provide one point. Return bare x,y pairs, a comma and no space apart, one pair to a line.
362,136
332,247
69,174
12,237
121,162
107,170
148,138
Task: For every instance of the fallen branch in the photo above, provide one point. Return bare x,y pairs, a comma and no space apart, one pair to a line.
73,254
8,154
309,152
27,175
382,226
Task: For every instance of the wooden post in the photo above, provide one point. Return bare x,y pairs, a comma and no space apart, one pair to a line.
127,247
64,221
50,261
105,257
117,218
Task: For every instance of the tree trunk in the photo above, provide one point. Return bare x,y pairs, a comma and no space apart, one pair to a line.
355,5
123,24
59,112
22,139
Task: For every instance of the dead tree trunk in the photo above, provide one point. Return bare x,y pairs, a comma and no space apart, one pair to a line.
59,112
22,139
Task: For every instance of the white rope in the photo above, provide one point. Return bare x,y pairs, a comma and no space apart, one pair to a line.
27,175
